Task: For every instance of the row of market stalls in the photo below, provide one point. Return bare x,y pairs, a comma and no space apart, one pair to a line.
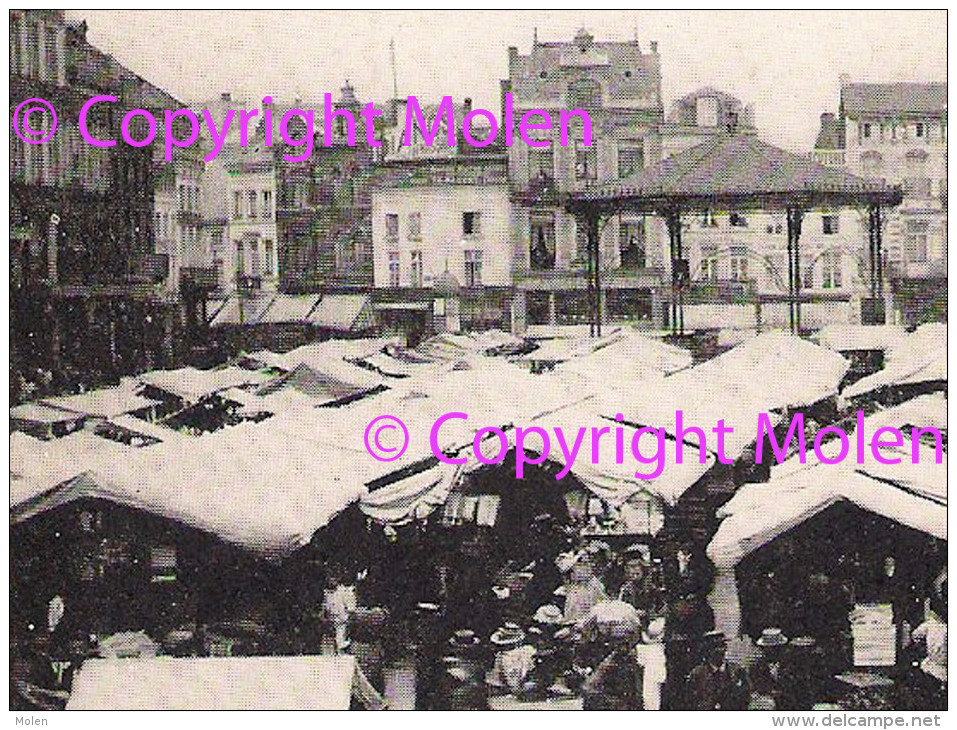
220,497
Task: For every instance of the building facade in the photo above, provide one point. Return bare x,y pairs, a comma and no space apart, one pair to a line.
619,86
442,232
898,132
87,297
324,202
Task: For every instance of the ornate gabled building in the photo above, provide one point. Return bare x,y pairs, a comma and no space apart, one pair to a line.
619,86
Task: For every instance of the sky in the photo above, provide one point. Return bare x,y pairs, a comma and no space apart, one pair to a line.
785,63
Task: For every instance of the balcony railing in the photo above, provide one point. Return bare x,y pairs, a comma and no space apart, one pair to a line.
149,267
198,277
829,158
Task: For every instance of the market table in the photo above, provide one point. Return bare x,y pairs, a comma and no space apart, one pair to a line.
511,702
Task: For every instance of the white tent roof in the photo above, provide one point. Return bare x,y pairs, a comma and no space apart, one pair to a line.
104,402
203,683
629,355
192,384
919,358
848,337
912,494
612,481
767,372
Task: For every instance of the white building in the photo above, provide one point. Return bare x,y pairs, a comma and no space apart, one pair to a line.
898,132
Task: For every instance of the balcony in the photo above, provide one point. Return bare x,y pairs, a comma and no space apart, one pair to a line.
540,190
198,278
931,269
149,267
829,158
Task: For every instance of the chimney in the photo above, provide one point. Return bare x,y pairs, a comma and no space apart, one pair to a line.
654,46
845,80
226,96
468,104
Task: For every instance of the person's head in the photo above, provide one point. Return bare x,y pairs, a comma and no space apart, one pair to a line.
890,565
634,568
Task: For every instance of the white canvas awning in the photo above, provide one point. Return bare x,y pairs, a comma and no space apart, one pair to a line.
919,358
222,683
911,494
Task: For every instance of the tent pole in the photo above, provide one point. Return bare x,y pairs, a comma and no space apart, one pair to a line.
790,223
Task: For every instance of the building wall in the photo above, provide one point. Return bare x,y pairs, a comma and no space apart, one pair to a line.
443,242
252,241
619,87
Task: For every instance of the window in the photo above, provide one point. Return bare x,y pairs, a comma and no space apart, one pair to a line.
415,226
237,205
471,224
919,130
631,244
270,257
915,242
252,203
541,242
50,56
709,263
267,203
32,43
586,162
830,224
631,159
181,198
867,130
738,221
831,270
739,263
541,163
392,226
394,269
473,267
240,259
917,187
807,273
415,271
584,94
706,111
708,220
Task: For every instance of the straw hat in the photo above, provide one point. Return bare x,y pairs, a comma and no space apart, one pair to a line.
772,637
508,636
655,631
548,614
464,639
616,619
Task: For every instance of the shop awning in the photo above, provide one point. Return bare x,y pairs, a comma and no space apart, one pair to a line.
245,311
103,403
911,494
222,683
343,313
332,383
921,357
288,308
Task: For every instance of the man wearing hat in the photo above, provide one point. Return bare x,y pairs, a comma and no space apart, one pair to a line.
769,680
650,654
715,684
613,628
514,660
